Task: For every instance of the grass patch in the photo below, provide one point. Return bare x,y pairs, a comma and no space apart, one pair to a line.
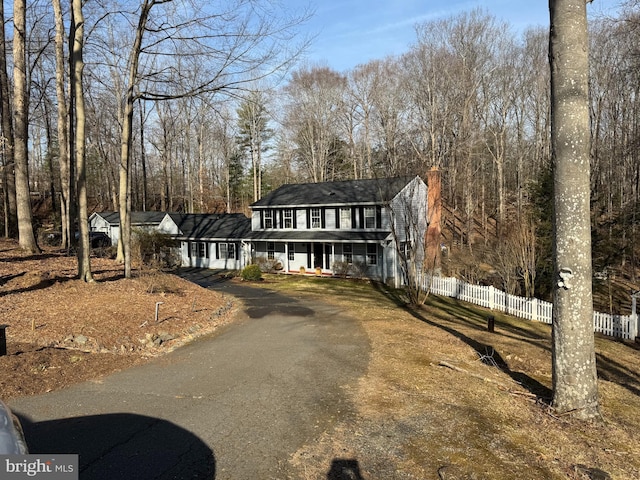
487,419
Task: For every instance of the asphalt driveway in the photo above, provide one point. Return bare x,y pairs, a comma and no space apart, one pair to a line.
234,405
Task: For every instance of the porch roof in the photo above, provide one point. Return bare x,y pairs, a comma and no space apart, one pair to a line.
338,236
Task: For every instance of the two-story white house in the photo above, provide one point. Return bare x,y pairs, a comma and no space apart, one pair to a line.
354,226
321,227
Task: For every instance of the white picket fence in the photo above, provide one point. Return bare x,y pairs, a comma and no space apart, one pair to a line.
620,326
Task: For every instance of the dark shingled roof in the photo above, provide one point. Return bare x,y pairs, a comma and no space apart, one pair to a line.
348,192
212,226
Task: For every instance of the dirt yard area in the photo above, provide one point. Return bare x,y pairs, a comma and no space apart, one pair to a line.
443,398
62,331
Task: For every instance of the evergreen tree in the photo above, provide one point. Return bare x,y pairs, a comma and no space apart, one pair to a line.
254,134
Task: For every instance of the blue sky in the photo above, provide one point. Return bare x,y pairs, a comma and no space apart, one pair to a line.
352,32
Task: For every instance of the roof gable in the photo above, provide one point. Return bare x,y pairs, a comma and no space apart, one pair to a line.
348,192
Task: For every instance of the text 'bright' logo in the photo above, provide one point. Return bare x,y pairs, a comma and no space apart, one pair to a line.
30,468
33,467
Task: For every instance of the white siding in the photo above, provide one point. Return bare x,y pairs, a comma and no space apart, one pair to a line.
168,226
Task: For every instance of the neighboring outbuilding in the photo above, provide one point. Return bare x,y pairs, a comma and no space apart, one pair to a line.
109,222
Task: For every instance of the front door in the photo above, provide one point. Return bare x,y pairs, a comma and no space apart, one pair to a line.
318,251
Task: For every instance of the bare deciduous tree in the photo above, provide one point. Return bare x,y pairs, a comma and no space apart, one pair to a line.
312,115
84,245
66,190
243,43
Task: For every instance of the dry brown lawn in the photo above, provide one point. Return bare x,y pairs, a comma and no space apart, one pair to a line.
446,399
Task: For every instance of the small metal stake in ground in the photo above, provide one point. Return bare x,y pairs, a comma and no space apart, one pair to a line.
491,323
3,340
158,309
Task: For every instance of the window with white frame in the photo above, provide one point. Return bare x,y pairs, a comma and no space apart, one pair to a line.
199,250
271,250
369,217
287,218
316,218
345,218
268,219
372,253
292,252
227,251
347,253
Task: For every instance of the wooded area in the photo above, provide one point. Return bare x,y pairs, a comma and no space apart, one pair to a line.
221,111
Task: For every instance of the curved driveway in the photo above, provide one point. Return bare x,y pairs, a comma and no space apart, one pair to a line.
234,405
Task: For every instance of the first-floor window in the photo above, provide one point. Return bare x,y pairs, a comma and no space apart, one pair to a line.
271,250
292,252
372,253
405,249
199,249
228,251
347,252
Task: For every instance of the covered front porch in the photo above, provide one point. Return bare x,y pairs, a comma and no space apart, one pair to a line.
371,257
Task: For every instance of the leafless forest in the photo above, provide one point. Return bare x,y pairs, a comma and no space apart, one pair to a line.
224,109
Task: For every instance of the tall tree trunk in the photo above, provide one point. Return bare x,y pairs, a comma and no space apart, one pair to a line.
575,387
49,156
63,130
126,140
6,142
143,159
200,139
26,235
84,246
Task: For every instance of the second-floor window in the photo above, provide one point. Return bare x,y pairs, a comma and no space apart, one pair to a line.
287,218
316,218
369,217
345,218
268,219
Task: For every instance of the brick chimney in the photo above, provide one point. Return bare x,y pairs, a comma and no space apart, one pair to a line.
434,214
